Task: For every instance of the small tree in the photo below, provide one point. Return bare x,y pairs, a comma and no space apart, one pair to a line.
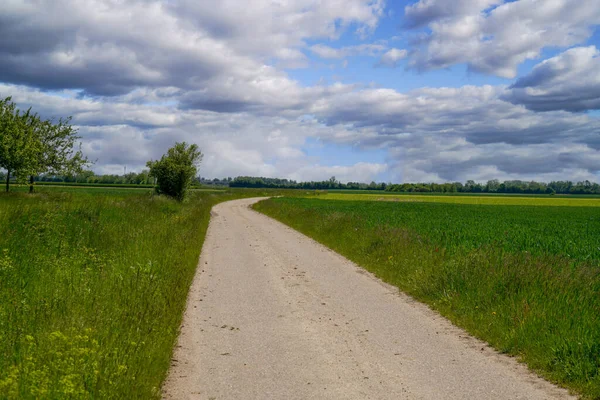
176,169
30,146
18,145
57,154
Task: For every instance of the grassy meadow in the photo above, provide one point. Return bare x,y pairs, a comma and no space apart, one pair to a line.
521,273
93,285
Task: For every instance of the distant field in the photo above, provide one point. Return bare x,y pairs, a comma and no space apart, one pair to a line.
461,194
524,278
519,200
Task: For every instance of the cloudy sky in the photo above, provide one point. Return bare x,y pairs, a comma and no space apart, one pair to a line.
429,90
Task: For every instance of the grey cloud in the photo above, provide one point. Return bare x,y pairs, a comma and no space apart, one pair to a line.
109,80
17,38
111,48
465,133
220,105
476,114
463,161
582,157
427,11
569,81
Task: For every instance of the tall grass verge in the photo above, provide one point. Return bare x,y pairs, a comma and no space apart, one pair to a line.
524,279
93,285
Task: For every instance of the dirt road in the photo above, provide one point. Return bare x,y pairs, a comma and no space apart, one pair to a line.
274,315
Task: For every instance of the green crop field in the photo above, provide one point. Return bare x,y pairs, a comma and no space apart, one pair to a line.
93,284
520,273
515,200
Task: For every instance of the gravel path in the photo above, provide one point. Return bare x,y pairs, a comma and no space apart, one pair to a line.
273,315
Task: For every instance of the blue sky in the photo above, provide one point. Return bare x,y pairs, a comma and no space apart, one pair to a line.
363,70
426,90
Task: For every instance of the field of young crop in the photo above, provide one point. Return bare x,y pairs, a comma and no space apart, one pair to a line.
525,278
93,284
491,199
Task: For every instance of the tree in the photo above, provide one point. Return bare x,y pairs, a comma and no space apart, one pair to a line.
176,170
84,176
492,186
56,150
18,145
31,146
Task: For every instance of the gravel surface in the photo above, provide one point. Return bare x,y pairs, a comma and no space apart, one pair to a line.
274,315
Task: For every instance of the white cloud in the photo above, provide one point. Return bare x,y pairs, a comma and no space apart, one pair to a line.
110,48
391,58
327,52
494,36
359,172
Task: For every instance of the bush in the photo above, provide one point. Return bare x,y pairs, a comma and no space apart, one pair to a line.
176,170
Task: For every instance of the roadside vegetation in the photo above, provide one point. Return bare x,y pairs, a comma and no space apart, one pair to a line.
93,285
525,278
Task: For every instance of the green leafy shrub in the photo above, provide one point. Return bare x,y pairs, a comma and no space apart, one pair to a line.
176,169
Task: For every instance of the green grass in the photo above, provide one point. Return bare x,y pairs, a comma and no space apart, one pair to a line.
108,185
524,278
93,284
98,185
518,200
461,194
79,190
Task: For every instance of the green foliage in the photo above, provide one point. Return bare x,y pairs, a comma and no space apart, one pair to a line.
276,183
494,186
18,145
30,146
176,170
524,278
99,286
58,154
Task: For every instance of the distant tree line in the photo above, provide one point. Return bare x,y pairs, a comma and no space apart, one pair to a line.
276,183
214,182
495,186
492,186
